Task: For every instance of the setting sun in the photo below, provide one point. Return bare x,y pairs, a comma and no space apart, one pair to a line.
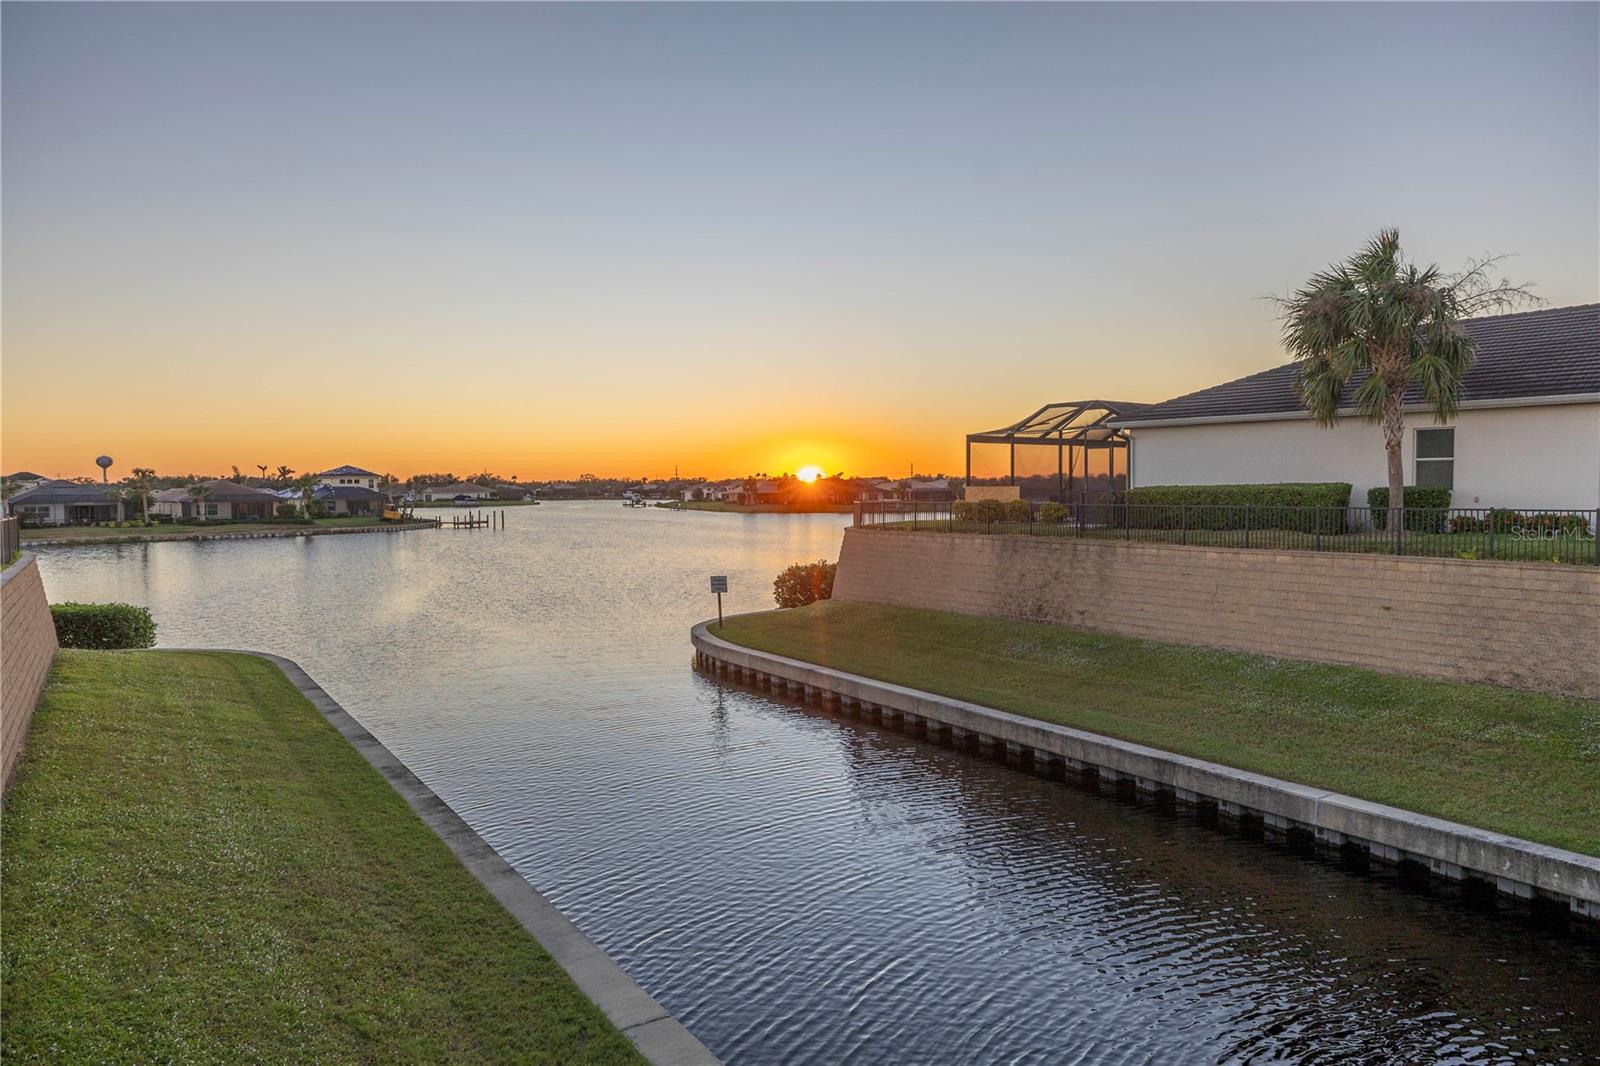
809,473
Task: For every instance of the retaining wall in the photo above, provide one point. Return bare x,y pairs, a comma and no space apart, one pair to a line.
1526,625
27,646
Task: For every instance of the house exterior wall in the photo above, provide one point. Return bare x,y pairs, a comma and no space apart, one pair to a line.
27,647
1527,625
1522,457
359,480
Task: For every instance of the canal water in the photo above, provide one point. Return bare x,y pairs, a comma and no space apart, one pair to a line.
803,889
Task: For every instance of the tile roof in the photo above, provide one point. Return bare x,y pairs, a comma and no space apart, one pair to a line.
347,471
1553,352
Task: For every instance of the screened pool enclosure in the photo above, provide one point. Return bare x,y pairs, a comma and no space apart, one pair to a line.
1062,451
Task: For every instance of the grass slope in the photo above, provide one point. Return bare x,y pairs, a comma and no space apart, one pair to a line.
197,867
1513,762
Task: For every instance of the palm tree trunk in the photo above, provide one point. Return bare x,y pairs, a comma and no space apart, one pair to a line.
1394,433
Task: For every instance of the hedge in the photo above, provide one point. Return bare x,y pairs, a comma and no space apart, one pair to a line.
1271,506
103,626
1281,494
1426,507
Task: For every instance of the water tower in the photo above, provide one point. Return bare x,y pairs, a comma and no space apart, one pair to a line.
104,463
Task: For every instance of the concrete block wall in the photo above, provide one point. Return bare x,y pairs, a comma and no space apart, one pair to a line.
1525,625
27,646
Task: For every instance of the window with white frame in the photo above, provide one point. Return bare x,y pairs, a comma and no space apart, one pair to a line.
1436,458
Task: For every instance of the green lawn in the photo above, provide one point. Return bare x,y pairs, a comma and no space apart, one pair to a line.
197,867
1514,762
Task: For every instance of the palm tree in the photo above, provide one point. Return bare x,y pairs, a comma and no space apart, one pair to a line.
199,494
263,468
284,473
307,484
1382,324
141,478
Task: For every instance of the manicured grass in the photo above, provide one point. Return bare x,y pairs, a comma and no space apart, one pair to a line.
197,867
173,531
1517,763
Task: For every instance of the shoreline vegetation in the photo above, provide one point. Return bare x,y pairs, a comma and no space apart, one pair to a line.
68,536
199,867
758,508
1433,747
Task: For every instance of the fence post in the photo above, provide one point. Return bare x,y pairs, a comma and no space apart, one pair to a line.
1316,516
1183,523
1127,521
1247,525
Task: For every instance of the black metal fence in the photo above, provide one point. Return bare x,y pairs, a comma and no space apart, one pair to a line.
1549,536
10,539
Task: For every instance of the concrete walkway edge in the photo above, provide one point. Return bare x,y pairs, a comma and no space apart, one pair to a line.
1449,849
660,1038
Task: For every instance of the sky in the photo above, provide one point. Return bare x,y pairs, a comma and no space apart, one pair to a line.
548,240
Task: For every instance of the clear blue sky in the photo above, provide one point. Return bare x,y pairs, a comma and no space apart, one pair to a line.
734,237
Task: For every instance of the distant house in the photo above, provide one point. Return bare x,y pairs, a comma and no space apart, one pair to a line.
23,479
563,490
919,489
63,503
350,500
226,501
1527,434
457,488
513,492
349,475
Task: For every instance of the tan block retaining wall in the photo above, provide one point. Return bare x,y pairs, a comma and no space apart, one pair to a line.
27,646
1526,625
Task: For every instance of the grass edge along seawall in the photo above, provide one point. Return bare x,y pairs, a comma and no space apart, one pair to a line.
1522,764
267,887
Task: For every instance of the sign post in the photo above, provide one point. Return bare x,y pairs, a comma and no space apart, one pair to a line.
719,585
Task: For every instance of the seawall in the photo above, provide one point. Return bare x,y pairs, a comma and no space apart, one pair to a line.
659,1037
1534,872
265,534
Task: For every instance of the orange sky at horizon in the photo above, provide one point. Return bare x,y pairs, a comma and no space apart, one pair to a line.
549,240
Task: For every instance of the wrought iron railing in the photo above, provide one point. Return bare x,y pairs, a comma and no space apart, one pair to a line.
1523,534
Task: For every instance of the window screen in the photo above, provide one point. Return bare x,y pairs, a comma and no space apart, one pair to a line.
1436,458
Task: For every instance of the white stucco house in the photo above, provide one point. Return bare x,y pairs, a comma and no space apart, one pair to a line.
1527,435
435,493
349,475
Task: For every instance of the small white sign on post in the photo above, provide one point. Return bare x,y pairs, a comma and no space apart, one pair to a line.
719,585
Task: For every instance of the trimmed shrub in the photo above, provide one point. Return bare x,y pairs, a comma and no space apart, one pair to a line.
961,511
104,626
989,511
1282,494
805,583
1053,514
1426,507
288,510
1018,511
1543,524
1270,506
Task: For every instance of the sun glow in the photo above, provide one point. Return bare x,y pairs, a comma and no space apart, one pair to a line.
808,473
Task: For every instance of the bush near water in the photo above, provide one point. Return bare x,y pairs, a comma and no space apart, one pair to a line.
103,626
805,583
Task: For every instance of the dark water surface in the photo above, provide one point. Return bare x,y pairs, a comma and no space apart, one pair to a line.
798,888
